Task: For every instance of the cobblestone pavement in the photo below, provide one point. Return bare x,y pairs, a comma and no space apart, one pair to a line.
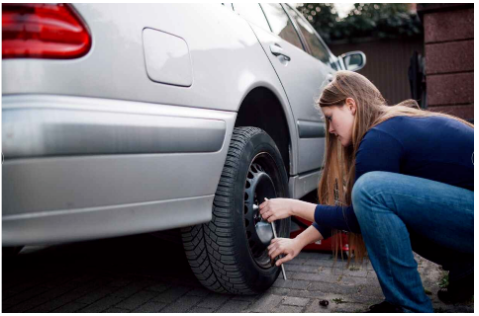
144,274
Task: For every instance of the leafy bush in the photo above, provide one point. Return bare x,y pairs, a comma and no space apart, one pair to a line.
377,20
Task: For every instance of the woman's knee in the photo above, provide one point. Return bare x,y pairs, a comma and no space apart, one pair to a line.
365,189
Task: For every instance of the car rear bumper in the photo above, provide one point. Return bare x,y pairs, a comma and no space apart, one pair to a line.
85,168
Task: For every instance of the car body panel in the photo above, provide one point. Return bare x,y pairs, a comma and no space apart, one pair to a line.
303,78
50,194
113,143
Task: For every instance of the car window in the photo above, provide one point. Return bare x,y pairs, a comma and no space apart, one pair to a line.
281,24
253,13
334,65
318,49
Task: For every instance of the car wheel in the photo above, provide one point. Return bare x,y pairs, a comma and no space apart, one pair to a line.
229,254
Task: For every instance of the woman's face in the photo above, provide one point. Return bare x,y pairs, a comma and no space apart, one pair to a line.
341,120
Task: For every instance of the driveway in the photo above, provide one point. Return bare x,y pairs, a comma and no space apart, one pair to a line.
145,274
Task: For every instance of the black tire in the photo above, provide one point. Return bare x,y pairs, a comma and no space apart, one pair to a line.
229,254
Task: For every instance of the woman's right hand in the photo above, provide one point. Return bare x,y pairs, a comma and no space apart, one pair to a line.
290,248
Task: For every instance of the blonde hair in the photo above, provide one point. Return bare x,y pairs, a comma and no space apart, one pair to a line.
336,183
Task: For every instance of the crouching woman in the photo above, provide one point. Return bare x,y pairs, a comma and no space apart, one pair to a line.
399,179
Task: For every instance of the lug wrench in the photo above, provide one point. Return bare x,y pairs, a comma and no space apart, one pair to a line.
256,207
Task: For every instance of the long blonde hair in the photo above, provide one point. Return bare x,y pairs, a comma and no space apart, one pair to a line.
336,183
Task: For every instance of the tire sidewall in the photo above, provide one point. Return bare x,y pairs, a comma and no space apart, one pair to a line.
257,277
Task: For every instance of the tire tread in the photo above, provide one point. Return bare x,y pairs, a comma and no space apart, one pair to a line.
219,271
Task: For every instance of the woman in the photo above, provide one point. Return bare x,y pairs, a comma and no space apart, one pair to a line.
398,177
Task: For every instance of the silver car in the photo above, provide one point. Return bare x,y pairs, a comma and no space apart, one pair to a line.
127,119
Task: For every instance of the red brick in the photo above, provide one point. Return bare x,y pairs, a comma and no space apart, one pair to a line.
463,111
450,57
449,25
450,89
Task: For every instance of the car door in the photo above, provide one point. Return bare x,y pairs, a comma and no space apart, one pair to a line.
303,76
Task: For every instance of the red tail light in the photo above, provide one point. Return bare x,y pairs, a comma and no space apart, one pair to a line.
43,31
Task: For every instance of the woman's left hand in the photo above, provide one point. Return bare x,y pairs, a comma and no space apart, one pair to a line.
283,246
274,209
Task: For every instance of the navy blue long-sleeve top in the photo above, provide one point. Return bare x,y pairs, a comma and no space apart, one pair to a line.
435,148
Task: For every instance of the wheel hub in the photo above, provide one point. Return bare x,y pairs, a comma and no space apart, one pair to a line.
259,185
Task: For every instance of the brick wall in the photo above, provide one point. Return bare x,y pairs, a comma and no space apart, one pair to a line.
449,52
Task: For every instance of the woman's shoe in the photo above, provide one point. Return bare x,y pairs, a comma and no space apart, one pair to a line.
385,307
458,292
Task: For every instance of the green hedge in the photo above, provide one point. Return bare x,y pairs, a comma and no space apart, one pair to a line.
376,20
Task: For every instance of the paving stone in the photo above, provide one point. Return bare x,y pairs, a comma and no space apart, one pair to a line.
314,307
215,300
171,294
132,288
333,288
96,294
363,299
335,302
301,268
49,295
203,292
102,304
183,304
248,298
121,282
8,293
299,261
111,286
321,277
20,286
158,287
326,263
347,271
288,309
350,280
23,296
371,289
233,306
203,310
314,294
70,307
51,305
296,301
116,310
291,284
150,307
137,300
76,293
266,304
349,308
306,293
279,291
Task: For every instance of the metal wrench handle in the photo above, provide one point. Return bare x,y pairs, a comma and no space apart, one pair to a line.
256,207
276,236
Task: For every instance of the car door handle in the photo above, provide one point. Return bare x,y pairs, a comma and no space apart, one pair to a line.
278,51
330,77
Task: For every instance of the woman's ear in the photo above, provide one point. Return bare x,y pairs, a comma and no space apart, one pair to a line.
351,105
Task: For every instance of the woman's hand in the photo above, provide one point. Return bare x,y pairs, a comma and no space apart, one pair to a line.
274,209
288,247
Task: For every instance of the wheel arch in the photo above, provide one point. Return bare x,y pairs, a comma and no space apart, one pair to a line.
262,108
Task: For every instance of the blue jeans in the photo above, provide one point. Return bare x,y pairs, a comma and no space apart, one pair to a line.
399,214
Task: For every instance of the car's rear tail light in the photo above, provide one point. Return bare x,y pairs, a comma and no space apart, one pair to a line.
43,31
